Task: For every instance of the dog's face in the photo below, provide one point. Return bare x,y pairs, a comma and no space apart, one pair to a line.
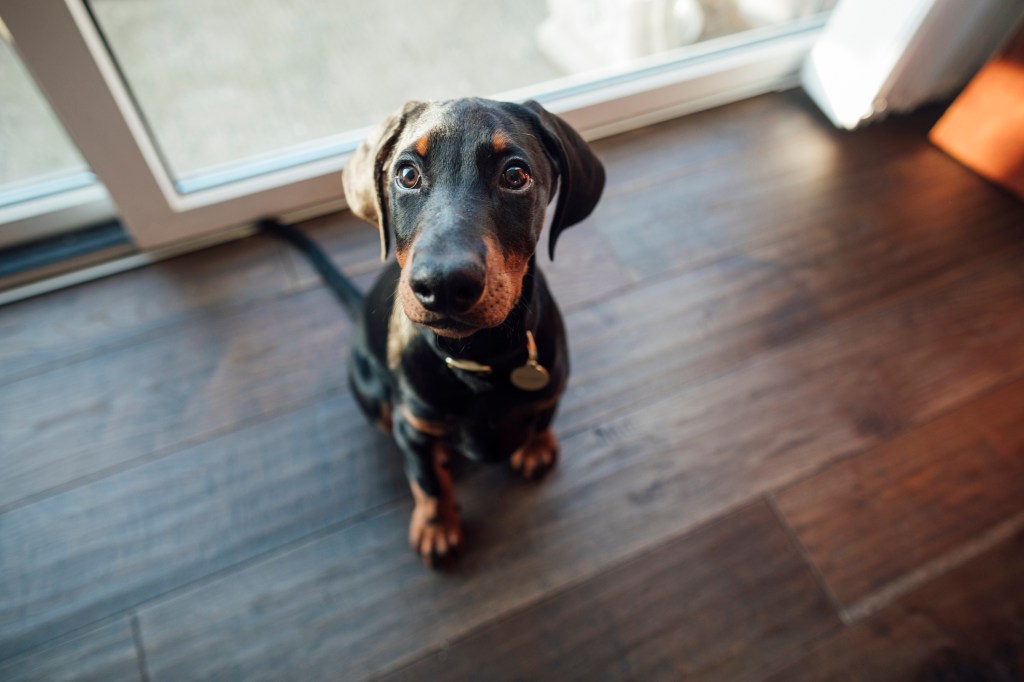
463,185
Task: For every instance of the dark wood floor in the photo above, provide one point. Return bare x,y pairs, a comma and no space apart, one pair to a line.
793,447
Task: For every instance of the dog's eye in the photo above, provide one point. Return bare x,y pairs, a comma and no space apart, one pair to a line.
515,177
408,176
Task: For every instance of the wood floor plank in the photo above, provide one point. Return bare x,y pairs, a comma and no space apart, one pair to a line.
347,606
1002,422
585,269
624,486
660,229
849,375
772,286
725,602
321,611
976,611
107,653
102,548
85,319
784,182
206,376
725,136
708,320
881,387
870,520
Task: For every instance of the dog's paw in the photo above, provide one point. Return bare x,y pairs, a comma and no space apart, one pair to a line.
435,530
537,457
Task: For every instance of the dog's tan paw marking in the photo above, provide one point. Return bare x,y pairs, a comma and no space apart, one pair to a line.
537,457
435,530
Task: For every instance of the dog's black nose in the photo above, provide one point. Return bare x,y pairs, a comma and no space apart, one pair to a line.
448,286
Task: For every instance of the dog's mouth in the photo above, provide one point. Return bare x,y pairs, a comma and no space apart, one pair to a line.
449,327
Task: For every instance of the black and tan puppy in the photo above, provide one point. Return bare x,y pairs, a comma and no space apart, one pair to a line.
459,346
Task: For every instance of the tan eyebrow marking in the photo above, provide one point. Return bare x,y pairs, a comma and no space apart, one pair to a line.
422,145
499,141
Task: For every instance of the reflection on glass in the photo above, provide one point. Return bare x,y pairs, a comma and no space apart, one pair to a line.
238,80
37,157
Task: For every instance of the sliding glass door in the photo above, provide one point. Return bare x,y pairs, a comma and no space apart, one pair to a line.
199,116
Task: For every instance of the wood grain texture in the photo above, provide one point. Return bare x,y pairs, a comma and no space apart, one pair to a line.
203,377
813,252
96,316
975,611
123,540
843,384
691,201
869,520
717,138
107,653
761,298
621,488
345,608
585,269
726,602
1002,422
336,608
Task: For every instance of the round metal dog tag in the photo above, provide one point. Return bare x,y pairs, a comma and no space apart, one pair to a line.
530,377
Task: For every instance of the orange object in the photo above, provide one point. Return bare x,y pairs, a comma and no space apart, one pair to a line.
984,127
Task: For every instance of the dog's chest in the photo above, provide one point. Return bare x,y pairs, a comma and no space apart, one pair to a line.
485,424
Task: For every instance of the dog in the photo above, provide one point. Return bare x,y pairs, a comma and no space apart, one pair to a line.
459,347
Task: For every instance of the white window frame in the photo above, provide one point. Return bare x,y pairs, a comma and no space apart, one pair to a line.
67,55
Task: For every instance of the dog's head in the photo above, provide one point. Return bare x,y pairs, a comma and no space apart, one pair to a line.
463,185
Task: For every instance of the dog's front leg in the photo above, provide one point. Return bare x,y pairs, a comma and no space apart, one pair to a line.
434,529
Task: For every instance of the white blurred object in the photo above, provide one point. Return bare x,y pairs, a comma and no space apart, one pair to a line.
774,12
878,57
580,35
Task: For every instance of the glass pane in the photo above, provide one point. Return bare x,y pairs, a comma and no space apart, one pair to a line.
37,157
252,80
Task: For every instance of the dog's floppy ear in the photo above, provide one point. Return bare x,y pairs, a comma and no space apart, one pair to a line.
364,176
581,175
